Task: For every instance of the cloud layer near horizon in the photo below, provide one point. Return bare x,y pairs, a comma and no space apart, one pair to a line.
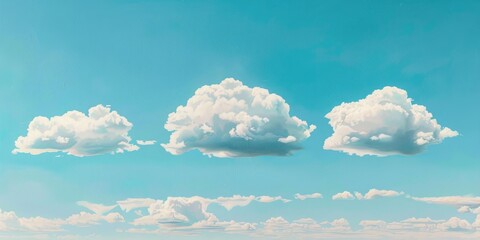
101,131
188,216
384,123
233,120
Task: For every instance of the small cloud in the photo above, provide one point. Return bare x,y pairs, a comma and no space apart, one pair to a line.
146,142
307,196
371,194
343,196
99,209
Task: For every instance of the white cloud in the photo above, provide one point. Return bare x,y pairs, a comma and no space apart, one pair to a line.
40,224
84,218
373,193
384,123
416,225
133,203
464,209
280,227
458,201
307,196
102,131
146,142
99,209
234,201
177,210
269,199
455,224
232,120
343,195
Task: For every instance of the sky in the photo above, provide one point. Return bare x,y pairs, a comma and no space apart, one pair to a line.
239,120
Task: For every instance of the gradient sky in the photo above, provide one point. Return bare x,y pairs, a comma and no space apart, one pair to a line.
145,58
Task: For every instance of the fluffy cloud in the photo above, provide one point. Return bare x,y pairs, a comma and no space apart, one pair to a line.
307,196
233,120
102,131
177,210
342,195
384,123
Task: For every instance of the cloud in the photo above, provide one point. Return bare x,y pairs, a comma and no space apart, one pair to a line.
307,196
233,120
40,224
269,199
181,213
189,216
133,203
234,201
99,209
84,218
373,193
415,225
146,142
451,200
10,222
177,210
464,204
342,195
102,131
384,123
278,226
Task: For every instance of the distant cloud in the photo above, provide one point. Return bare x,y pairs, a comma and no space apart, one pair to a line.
85,219
234,201
96,208
384,123
280,227
451,200
307,196
464,204
233,120
133,203
190,216
102,131
146,142
177,210
371,194
269,199
343,196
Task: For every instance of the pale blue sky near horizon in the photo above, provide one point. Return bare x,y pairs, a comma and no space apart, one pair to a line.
145,58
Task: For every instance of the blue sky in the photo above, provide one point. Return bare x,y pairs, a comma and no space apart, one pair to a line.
146,58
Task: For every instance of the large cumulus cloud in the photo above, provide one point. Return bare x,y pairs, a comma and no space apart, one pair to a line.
233,120
101,131
384,123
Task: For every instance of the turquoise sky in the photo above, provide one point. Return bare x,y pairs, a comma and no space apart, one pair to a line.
145,58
